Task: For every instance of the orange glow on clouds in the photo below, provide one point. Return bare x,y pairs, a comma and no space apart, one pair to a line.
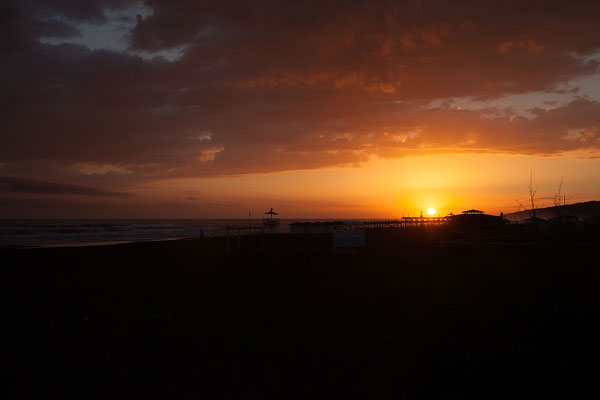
388,188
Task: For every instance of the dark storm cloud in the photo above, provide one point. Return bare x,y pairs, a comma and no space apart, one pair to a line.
269,86
21,185
75,10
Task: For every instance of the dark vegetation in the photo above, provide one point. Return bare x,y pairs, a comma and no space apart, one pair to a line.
410,317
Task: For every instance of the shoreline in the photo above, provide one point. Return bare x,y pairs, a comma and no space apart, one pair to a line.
118,242
77,232
108,243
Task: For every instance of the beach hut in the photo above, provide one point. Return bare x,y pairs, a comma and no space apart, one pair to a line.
314,228
537,224
349,237
567,223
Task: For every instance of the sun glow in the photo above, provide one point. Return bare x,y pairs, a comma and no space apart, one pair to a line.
431,211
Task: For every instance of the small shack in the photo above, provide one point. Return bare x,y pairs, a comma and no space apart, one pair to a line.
567,223
537,224
314,228
349,237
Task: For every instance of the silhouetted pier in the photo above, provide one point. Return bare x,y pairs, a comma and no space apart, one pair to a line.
407,222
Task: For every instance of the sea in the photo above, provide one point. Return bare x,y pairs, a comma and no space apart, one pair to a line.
86,232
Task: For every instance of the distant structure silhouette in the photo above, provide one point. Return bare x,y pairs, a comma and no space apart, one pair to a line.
269,224
470,219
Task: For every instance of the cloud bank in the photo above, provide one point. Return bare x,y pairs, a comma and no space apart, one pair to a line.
20,185
267,86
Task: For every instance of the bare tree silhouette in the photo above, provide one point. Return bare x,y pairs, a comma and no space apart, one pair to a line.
532,193
521,209
559,197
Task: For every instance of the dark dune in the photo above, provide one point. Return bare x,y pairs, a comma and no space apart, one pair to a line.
587,209
408,318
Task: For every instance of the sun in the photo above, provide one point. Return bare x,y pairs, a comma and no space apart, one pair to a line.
431,211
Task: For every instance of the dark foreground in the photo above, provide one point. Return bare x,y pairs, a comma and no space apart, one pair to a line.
405,319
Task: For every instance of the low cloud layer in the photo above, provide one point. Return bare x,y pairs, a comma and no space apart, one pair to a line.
20,185
270,86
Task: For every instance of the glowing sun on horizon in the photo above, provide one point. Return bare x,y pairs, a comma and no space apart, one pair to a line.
431,211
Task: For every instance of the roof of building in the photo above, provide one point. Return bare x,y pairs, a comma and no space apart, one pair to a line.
473,211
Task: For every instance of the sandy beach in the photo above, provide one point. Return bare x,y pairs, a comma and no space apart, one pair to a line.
179,319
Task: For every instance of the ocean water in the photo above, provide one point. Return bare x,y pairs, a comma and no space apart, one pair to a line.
82,232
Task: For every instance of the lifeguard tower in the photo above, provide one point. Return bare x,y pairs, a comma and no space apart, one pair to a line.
270,223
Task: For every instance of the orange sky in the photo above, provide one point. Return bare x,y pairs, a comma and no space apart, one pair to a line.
380,188
158,108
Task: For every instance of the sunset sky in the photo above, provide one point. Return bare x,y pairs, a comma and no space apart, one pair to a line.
319,109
